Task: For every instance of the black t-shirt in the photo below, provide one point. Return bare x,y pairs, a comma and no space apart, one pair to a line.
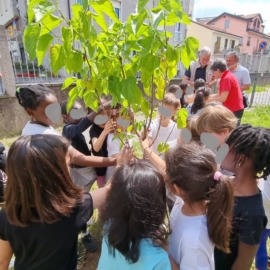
249,222
47,246
95,132
200,73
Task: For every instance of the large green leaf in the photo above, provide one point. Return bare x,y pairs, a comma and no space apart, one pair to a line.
115,87
57,57
75,61
105,6
99,19
67,39
42,46
131,91
30,39
49,23
189,51
68,82
42,9
141,5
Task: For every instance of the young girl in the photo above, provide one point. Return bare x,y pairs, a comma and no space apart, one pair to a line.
44,210
35,99
98,140
82,176
134,234
163,129
202,217
262,261
199,103
248,159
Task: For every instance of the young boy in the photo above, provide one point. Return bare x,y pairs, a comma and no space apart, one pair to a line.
163,129
83,177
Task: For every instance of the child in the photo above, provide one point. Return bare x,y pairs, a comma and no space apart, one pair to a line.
98,140
174,88
44,210
197,84
3,177
200,100
261,257
248,159
134,232
163,129
35,99
83,177
202,217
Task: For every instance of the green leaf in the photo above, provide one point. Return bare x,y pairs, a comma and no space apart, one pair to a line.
68,82
72,96
49,23
57,57
44,43
115,87
141,5
99,19
91,100
131,91
42,9
105,6
67,39
181,118
30,39
85,4
157,18
189,51
30,11
145,107
75,61
163,147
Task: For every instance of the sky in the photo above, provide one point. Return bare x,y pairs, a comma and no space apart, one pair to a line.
213,8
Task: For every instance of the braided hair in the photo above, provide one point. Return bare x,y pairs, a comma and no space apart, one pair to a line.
254,143
29,97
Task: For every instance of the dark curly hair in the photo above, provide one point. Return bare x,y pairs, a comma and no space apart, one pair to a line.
254,143
29,97
135,209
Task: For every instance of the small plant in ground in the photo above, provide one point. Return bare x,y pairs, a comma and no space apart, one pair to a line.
109,55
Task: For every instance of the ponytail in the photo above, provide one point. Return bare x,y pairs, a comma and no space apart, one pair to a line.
219,212
29,97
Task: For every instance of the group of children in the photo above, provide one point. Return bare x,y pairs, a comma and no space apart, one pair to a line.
216,221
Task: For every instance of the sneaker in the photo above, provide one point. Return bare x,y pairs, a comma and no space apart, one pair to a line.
89,243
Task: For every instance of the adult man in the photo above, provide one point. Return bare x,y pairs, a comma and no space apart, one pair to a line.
229,89
200,69
241,73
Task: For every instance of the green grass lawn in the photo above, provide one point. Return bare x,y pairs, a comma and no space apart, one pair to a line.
259,88
257,116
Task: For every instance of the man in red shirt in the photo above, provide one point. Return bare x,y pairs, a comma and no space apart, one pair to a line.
229,90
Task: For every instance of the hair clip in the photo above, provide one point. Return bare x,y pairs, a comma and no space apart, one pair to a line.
217,175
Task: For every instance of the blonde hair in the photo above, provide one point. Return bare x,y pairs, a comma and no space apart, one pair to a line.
215,118
171,100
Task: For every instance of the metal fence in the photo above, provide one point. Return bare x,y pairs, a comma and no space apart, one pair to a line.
26,71
259,94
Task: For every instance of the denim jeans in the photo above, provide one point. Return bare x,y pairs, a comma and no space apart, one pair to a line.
261,260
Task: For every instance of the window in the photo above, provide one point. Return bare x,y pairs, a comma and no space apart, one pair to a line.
177,32
227,24
232,44
217,45
248,41
226,43
117,11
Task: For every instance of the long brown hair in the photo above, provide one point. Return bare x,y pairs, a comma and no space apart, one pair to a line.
192,167
39,186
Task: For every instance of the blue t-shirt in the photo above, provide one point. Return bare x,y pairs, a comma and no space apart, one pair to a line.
151,258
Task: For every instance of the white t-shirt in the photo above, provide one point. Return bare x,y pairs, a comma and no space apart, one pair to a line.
33,129
169,133
189,243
